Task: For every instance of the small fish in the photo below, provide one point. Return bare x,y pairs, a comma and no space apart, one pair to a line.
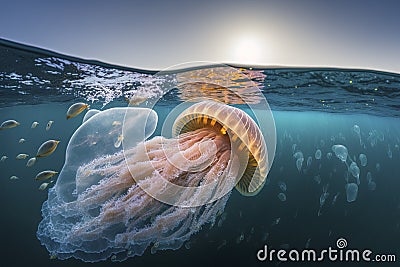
9,124
47,148
44,175
34,124
135,100
30,162
76,109
3,158
14,177
48,126
119,140
21,141
22,156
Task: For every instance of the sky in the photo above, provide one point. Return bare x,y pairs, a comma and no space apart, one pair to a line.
158,34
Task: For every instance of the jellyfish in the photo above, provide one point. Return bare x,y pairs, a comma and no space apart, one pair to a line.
309,161
282,197
363,160
318,154
351,192
282,186
355,171
111,202
299,163
340,152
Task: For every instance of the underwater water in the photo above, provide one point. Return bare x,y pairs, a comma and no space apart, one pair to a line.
311,197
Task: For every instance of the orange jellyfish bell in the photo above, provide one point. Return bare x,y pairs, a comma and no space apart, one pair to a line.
243,131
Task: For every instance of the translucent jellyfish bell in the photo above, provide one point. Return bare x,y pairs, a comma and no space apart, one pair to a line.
318,154
363,160
340,152
351,192
355,171
95,139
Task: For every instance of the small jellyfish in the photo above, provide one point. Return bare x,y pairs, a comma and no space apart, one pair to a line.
351,192
34,124
335,197
31,162
282,197
22,156
389,152
294,146
363,160
323,198
44,175
317,179
3,158
329,155
355,171
371,186
47,148
308,243
309,161
356,129
76,109
9,124
299,163
119,140
14,177
240,238
340,152
318,154
276,221
282,186
21,141
369,177
298,155
378,167
48,126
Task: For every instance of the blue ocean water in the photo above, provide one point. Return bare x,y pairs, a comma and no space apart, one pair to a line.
299,207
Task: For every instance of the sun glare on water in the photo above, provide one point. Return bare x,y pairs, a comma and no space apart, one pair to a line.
247,50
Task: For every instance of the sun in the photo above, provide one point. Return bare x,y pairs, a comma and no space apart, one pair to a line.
247,50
